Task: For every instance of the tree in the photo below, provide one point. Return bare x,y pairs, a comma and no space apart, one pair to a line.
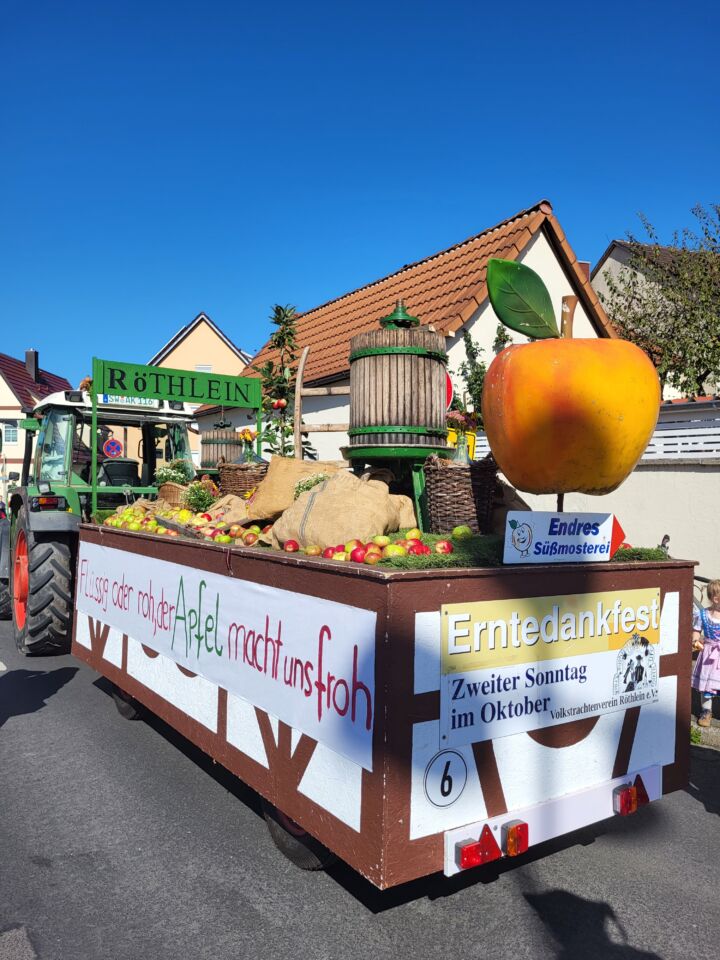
666,299
472,370
278,386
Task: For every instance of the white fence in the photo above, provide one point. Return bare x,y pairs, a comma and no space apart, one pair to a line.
669,442
689,443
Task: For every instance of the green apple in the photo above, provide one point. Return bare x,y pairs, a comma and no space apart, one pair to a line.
463,532
394,550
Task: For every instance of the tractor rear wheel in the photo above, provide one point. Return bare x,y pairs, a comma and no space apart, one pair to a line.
41,581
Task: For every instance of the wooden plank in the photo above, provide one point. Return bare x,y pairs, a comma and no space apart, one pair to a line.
325,391
324,428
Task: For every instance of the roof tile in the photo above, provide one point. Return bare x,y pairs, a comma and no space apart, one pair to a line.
444,289
15,374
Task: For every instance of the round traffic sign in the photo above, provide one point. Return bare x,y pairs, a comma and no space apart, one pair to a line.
112,448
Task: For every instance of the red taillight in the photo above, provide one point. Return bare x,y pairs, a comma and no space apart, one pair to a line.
477,852
48,503
516,838
642,794
625,799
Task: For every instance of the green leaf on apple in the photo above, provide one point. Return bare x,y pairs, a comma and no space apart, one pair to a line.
520,299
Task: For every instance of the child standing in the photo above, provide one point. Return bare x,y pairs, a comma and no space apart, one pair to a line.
706,639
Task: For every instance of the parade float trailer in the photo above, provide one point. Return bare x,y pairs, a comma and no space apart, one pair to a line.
408,721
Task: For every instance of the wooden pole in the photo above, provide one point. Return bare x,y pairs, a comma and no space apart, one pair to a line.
297,412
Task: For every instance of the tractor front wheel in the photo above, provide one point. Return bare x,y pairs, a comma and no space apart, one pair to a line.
40,592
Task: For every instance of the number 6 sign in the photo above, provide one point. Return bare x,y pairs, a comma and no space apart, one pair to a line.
445,778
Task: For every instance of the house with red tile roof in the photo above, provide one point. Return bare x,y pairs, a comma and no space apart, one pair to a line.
447,291
22,384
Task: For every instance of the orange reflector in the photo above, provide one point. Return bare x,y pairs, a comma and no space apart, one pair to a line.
516,838
642,794
625,800
477,852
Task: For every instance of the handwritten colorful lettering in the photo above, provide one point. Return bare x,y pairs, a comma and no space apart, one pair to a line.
307,661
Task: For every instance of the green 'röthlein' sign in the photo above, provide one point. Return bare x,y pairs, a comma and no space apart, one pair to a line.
162,383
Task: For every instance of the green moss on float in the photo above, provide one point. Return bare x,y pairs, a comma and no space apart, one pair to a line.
486,550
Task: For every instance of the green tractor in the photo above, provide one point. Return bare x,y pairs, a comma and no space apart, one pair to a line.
60,488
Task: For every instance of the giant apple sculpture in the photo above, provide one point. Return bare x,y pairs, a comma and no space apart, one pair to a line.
563,414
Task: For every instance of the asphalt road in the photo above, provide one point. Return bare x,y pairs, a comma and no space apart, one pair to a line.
120,840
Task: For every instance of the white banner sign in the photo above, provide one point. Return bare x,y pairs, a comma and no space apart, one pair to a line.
523,664
309,662
537,537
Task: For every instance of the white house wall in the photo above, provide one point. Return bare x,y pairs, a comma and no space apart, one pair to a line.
328,410
676,499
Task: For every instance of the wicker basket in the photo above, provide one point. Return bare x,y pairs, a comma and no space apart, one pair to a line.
172,493
459,493
240,478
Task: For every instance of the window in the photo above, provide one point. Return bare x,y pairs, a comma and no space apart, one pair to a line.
11,431
203,367
53,446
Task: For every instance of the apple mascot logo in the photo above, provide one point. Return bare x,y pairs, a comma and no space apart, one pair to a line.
521,537
560,414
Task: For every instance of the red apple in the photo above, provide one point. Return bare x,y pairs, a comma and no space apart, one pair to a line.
291,546
206,516
352,544
372,557
236,530
416,549
267,529
250,538
328,553
358,554
444,546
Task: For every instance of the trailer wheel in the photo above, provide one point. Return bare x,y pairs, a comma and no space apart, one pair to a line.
295,843
41,592
5,604
127,706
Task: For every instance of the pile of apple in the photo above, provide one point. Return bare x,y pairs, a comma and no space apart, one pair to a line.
218,531
379,548
139,520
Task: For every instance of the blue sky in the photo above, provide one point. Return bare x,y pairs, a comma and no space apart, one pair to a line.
163,158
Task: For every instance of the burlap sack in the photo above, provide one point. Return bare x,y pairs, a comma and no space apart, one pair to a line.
276,492
406,512
230,508
340,509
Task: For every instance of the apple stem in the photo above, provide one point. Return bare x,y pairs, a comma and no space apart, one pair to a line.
568,312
